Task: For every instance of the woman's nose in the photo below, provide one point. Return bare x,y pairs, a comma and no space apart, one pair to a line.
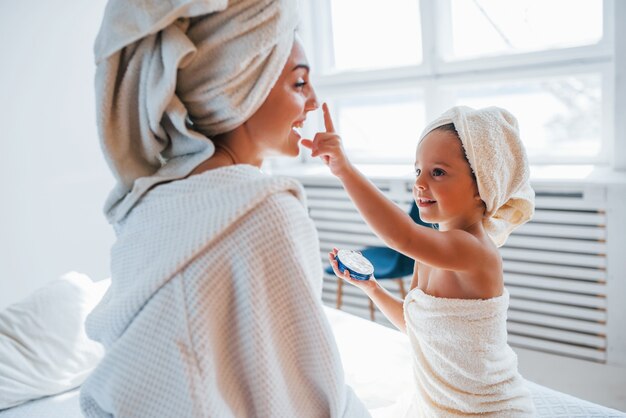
311,102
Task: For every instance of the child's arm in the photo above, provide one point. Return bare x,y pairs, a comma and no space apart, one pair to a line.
450,250
386,219
388,304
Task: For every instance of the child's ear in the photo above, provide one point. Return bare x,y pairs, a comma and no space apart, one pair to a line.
478,199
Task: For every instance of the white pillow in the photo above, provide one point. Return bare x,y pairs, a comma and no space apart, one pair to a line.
43,346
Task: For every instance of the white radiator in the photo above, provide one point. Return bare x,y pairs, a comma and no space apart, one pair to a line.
555,267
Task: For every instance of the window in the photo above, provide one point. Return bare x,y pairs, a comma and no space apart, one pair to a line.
559,116
386,69
490,27
381,43
368,122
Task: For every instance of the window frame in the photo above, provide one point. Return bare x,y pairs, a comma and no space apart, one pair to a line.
435,74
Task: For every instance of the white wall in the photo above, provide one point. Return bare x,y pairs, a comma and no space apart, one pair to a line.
53,178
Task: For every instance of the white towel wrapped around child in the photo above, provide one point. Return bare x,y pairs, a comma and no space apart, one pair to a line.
461,360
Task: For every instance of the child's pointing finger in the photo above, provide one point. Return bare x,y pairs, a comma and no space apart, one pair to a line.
328,122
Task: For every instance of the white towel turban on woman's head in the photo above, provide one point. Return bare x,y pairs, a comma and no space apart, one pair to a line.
496,154
172,74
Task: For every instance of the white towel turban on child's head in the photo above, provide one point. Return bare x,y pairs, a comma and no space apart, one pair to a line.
492,144
172,74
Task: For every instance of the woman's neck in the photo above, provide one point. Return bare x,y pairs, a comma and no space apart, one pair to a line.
240,146
231,148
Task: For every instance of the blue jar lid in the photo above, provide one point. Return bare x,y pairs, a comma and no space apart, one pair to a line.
358,266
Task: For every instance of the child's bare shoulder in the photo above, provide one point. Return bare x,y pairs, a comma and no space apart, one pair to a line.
486,279
490,255
478,242
483,277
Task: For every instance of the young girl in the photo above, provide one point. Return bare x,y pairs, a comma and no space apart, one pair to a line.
472,180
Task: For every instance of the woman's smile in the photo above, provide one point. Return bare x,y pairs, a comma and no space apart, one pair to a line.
296,129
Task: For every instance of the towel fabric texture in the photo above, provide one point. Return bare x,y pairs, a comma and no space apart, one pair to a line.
214,308
496,154
462,363
171,75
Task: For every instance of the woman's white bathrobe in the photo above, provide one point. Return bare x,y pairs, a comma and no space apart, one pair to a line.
215,307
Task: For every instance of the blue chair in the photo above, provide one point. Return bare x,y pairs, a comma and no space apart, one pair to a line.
388,264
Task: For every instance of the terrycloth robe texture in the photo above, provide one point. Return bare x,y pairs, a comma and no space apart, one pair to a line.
170,75
214,308
462,363
496,154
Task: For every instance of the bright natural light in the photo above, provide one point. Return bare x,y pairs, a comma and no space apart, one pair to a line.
364,40
492,27
559,117
561,112
381,128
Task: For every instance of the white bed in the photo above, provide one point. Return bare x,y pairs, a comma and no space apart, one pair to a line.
381,382
378,383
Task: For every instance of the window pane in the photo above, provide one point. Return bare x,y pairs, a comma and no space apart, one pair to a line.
496,27
560,117
381,129
370,35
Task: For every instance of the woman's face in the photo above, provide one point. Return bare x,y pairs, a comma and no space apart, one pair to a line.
286,107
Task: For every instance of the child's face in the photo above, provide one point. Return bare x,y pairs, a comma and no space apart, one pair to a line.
445,190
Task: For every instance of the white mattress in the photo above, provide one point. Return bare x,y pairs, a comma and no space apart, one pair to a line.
377,364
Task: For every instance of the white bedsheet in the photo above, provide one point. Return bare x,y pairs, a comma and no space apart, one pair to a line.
377,364
64,405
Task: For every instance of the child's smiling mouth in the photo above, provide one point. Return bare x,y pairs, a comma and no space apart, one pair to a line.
423,202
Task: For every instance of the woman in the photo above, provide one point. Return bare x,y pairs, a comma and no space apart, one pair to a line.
200,319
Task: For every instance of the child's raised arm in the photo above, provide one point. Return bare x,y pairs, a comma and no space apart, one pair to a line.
450,250
386,219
